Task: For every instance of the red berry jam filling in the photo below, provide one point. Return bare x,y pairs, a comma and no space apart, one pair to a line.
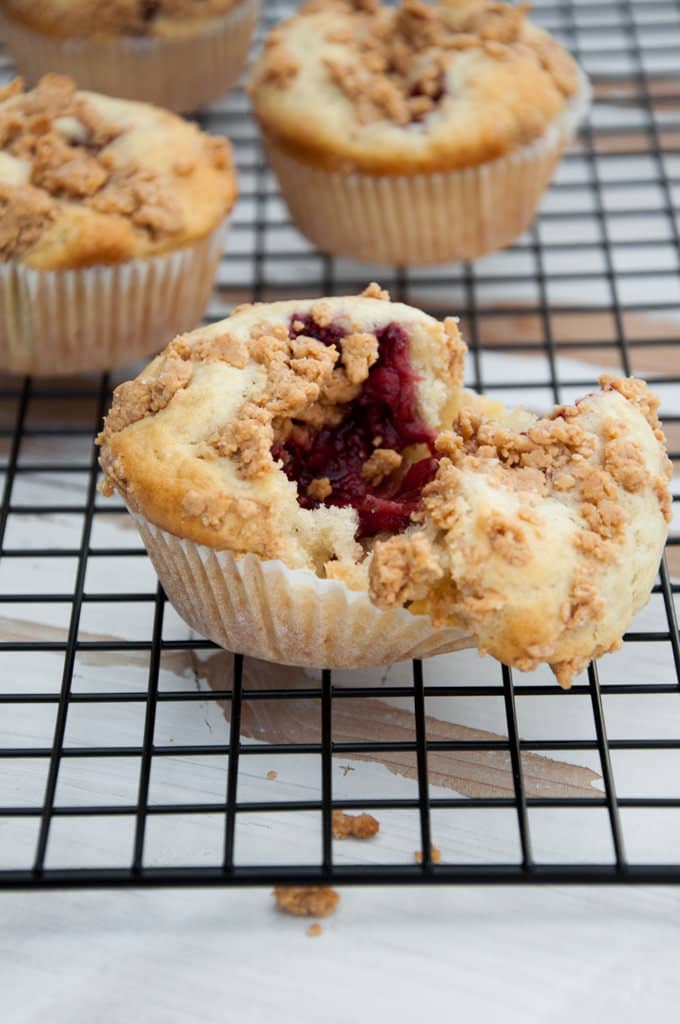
383,415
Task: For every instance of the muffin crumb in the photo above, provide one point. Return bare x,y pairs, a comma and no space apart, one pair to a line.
320,489
271,774
359,353
381,464
314,930
306,901
374,291
281,67
401,567
435,855
354,826
25,214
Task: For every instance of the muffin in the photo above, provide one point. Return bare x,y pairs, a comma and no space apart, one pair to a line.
314,487
179,54
416,134
112,222
262,455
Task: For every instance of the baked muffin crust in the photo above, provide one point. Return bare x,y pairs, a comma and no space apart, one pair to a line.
87,179
348,84
86,18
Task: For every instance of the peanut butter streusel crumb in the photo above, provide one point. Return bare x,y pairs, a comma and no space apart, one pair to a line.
626,463
392,63
225,349
321,313
663,495
67,171
281,67
435,855
380,464
314,930
374,291
249,436
638,393
401,569
271,775
507,539
307,901
136,399
354,826
359,353
585,601
143,197
320,489
25,214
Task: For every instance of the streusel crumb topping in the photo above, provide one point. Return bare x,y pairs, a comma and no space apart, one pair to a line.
417,67
576,487
95,170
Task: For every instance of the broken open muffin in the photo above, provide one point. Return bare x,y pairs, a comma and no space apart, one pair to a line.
315,487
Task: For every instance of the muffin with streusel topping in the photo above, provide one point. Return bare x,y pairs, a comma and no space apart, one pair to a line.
261,457
112,220
179,54
314,486
415,134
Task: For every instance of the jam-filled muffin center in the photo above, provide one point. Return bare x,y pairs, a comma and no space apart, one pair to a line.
380,454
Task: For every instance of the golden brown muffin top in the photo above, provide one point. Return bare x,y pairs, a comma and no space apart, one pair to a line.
87,179
74,18
419,87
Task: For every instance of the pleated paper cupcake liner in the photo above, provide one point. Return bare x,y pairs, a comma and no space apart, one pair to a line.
291,616
55,322
424,218
182,72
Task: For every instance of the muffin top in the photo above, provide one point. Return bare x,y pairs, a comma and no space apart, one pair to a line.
73,18
86,179
350,84
294,430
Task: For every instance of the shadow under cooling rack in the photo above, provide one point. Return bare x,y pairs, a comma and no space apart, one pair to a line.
134,753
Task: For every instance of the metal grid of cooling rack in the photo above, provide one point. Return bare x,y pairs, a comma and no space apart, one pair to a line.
595,281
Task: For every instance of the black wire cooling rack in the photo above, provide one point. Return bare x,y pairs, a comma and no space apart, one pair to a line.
594,284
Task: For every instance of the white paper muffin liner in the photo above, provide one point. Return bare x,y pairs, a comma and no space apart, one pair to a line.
291,616
54,322
182,72
424,218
